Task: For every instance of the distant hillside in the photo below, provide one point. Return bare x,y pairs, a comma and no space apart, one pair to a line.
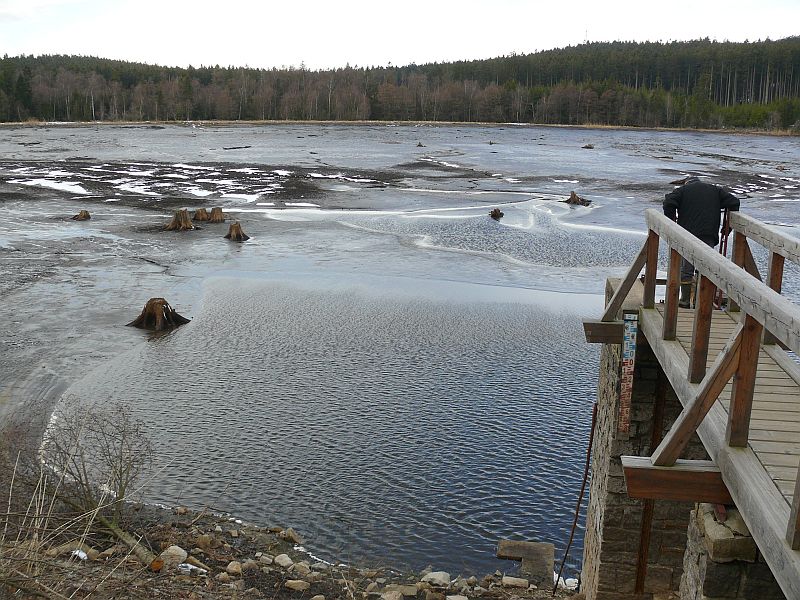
678,84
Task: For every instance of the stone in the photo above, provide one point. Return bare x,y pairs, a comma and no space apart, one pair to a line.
290,535
406,590
238,585
181,510
223,578
234,568
318,597
437,578
233,533
456,597
301,568
253,592
472,581
538,562
250,565
514,582
392,596
205,541
218,529
372,587
432,595
266,559
283,560
298,585
173,556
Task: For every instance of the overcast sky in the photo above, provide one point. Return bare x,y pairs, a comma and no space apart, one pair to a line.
332,33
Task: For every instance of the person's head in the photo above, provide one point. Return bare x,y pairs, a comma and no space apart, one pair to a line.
690,179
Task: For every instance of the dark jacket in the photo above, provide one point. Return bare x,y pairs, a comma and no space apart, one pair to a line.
698,205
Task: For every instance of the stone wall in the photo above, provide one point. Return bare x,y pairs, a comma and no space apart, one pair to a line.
722,561
614,521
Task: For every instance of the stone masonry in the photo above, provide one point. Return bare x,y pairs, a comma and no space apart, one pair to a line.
722,561
614,521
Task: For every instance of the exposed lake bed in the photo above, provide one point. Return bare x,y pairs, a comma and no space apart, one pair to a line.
381,366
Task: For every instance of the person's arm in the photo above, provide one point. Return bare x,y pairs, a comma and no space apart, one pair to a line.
727,200
671,203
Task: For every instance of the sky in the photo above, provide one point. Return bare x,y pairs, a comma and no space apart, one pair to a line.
322,34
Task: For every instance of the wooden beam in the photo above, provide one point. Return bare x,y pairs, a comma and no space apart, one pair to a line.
744,384
775,282
761,503
773,241
671,298
793,531
603,332
650,270
697,406
776,313
686,481
704,308
619,296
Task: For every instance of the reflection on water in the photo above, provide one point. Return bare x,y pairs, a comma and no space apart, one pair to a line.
386,426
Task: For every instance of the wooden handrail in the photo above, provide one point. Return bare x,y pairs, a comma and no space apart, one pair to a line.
778,315
773,241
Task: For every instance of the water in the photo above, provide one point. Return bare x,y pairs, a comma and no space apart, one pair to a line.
382,367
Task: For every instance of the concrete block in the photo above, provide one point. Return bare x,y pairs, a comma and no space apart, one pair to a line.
537,558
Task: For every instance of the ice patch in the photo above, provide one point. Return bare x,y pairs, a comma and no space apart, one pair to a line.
136,189
219,181
246,197
199,192
282,173
566,181
265,204
321,176
194,167
176,176
64,186
302,204
248,170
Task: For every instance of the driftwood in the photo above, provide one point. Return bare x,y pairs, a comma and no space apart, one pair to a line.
588,146
577,200
82,216
180,222
201,214
158,315
216,215
496,214
235,233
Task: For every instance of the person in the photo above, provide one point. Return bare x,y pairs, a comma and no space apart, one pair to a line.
696,206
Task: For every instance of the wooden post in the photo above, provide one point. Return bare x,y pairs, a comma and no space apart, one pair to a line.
671,299
793,531
744,383
619,296
775,281
650,270
704,307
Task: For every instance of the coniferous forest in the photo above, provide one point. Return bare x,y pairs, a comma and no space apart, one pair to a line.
696,84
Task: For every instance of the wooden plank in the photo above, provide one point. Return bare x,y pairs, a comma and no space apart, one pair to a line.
686,481
774,241
602,332
650,270
744,384
764,508
671,298
696,407
778,460
776,313
619,296
702,329
782,473
784,361
775,425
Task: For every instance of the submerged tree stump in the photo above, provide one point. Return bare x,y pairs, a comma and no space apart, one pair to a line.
82,216
201,214
180,222
158,315
496,214
216,215
577,200
235,233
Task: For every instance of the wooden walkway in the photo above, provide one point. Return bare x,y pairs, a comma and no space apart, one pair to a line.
739,387
775,415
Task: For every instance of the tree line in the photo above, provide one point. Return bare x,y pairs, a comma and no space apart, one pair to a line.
700,83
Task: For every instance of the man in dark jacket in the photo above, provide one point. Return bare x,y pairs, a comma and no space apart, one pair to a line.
696,206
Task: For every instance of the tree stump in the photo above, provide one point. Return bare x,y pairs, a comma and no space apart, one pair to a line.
577,200
158,315
496,214
180,222
216,215
201,214
235,233
82,216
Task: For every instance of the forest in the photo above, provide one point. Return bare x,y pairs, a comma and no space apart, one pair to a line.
695,84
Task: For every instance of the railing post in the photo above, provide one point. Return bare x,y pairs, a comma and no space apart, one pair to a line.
793,531
650,270
775,281
744,383
671,299
704,306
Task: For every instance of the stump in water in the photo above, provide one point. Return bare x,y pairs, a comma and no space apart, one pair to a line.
82,216
588,146
496,214
180,222
158,315
201,214
577,200
235,233
216,215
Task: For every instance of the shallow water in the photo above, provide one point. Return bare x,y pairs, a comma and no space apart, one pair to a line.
381,366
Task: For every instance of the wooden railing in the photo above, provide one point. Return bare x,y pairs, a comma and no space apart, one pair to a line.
764,313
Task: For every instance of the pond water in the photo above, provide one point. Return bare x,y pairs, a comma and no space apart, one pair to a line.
383,367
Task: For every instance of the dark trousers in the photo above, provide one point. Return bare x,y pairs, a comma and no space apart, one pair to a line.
687,268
